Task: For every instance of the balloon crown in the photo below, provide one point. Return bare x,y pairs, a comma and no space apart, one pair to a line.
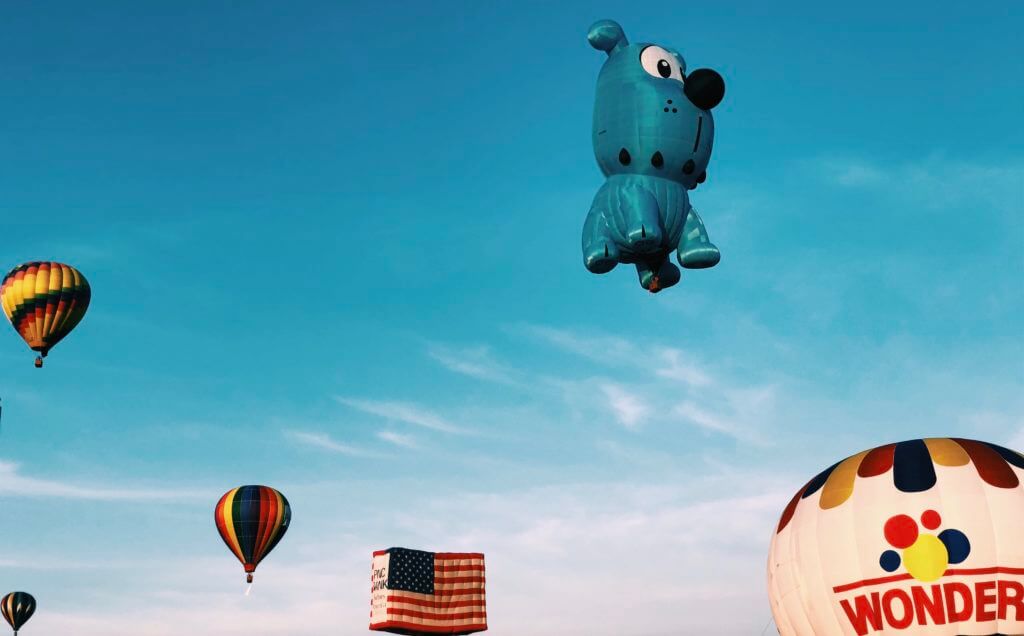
911,465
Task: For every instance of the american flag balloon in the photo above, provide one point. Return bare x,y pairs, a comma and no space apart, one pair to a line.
416,593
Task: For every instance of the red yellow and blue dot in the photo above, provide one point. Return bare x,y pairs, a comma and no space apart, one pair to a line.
925,556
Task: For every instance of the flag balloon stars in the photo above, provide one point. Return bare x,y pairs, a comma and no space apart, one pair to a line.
252,520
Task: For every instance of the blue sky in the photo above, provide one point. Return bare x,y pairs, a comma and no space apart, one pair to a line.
335,250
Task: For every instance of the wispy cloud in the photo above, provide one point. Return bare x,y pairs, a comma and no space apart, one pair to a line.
599,347
475,362
855,173
637,454
709,421
398,439
710,531
682,369
928,179
15,484
675,385
402,412
300,596
616,351
47,563
325,442
711,537
741,413
629,408
1007,428
1017,441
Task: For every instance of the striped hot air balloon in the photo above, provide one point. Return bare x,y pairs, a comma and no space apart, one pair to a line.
920,537
17,608
44,301
252,520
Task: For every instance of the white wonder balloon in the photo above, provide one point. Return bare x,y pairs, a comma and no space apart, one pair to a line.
924,537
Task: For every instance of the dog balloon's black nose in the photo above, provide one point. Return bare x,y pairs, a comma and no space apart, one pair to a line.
704,88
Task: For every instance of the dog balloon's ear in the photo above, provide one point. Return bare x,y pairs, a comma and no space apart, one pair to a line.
607,36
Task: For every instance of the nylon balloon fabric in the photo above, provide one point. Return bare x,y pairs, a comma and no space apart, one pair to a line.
653,133
921,536
44,301
252,520
17,608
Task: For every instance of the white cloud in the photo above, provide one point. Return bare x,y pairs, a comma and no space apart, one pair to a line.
601,348
687,372
698,549
742,417
52,563
928,180
1017,441
704,419
402,412
398,439
1001,427
628,407
205,596
15,484
679,552
325,442
854,174
706,399
618,351
475,362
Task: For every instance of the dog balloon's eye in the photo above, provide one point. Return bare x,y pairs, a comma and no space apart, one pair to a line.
660,63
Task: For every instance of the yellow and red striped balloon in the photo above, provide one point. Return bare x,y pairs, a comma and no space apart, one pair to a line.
252,520
44,301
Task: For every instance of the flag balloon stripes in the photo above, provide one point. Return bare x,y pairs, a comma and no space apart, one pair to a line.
252,520
414,592
44,301
17,608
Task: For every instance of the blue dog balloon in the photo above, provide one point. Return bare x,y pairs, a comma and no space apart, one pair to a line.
652,135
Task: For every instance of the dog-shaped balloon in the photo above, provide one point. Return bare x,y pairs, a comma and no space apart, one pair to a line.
653,133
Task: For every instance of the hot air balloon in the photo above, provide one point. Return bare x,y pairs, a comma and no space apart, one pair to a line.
44,301
415,592
252,520
652,136
17,608
923,537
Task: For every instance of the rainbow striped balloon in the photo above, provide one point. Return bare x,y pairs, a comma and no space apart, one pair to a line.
252,520
17,608
44,301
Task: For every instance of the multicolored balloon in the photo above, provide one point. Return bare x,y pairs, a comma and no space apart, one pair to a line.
44,301
924,537
252,520
17,608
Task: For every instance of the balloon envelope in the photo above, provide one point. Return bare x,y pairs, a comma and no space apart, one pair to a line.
418,593
17,608
252,520
653,133
44,301
921,537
